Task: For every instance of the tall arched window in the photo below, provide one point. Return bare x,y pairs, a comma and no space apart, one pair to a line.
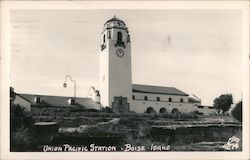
158,98
119,36
109,34
104,38
120,102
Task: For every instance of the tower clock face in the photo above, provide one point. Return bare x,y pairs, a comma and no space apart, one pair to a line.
119,52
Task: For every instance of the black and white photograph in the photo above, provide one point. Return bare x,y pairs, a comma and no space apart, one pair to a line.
127,79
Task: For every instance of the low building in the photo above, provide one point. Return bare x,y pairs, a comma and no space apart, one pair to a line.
157,99
32,102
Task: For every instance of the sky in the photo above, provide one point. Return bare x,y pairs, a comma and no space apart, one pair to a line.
196,51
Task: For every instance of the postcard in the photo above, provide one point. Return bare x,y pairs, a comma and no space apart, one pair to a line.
125,80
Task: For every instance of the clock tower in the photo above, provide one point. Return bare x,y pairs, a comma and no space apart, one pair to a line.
115,66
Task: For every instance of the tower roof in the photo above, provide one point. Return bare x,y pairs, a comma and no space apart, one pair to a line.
115,23
114,19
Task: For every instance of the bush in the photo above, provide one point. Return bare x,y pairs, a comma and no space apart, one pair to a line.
237,111
107,110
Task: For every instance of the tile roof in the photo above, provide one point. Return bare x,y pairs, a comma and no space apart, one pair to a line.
157,90
115,19
60,101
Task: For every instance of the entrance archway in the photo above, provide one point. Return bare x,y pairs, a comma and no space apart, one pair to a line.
150,110
163,110
175,111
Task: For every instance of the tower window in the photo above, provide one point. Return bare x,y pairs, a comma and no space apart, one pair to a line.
158,98
145,98
119,36
104,38
170,99
128,38
133,96
109,34
181,100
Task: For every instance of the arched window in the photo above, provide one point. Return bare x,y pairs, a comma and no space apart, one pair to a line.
145,98
158,98
119,36
104,38
170,99
181,100
133,96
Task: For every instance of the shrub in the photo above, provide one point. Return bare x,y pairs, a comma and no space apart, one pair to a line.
19,119
21,140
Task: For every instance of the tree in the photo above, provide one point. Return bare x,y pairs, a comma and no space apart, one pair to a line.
18,118
223,103
237,111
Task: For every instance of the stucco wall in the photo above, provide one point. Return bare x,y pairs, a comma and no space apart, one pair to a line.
140,106
163,97
115,72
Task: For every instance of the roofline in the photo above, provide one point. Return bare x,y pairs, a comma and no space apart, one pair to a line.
48,95
23,97
139,91
116,19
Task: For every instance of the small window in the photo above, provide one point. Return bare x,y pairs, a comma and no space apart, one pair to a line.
38,99
133,96
104,38
119,36
200,106
158,98
181,100
170,99
71,101
145,98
